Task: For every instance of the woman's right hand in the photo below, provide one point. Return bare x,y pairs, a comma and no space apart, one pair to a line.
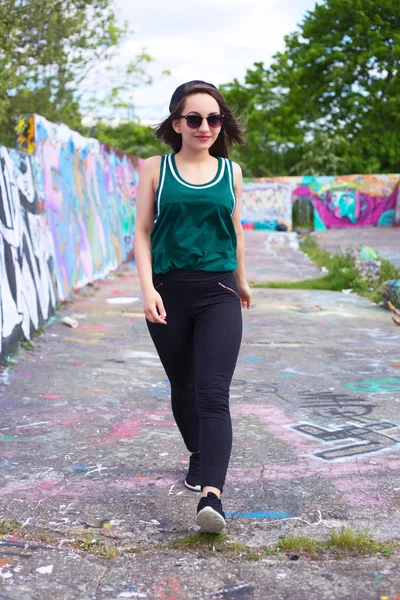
153,307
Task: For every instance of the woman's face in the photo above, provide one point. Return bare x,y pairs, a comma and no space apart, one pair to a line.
204,136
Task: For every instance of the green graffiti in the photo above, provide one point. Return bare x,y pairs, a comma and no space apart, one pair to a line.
384,385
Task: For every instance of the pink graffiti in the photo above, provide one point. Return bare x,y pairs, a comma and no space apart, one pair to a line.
129,428
341,201
47,484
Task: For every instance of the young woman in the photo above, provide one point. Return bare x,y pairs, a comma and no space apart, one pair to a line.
189,250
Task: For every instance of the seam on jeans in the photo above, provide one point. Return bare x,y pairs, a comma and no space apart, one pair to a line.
159,285
228,288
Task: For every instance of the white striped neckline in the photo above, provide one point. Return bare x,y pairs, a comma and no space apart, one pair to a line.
196,187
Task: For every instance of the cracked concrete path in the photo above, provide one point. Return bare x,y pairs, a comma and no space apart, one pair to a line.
92,464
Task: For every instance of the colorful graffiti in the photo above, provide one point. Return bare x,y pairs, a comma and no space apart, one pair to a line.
67,218
397,209
343,201
89,194
27,289
25,134
267,202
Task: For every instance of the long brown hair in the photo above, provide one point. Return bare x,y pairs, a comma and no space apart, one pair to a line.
232,131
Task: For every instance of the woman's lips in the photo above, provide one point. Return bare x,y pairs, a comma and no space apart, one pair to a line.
203,138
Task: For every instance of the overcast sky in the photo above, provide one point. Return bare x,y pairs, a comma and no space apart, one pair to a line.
213,40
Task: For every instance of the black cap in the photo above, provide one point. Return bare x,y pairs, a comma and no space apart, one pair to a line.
180,92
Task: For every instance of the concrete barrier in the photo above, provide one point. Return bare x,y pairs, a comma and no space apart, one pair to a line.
67,218
338,202
27,258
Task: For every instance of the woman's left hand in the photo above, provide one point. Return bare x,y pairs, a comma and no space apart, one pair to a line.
245,294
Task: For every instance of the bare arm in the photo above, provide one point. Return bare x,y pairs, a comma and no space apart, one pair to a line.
240,273
145,204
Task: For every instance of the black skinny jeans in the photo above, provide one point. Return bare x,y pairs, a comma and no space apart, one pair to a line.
198,348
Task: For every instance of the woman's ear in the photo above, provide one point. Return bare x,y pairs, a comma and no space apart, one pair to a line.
176,125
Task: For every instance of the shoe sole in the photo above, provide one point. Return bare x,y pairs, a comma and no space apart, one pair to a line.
210,521
194,488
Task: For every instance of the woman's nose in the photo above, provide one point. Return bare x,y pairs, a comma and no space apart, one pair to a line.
204,125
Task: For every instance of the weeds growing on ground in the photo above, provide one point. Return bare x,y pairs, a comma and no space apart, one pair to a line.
10,358
362,542
39,331
298,543
340,544
8,526
198,539
27,344
342,273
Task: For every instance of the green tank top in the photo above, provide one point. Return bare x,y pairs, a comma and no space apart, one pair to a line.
193,228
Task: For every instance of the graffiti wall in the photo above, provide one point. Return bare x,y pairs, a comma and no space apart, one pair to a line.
27,292
89,192
345,201
397,211
267,202
67,218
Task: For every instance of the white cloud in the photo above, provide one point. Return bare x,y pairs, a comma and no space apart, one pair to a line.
214,40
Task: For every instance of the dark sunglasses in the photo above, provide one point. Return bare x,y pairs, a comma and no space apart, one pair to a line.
195,121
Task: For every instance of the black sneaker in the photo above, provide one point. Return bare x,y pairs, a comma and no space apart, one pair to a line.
192,480
210,516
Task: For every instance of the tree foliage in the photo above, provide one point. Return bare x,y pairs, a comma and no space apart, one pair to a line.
337,78
49,49
272,139
131,137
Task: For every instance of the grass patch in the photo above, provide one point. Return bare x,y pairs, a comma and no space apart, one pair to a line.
343,274
198,539
341,542
27,345
96,547
297,543
87,545
39,331
107,552
362,543
235,547
102,550
8,526
10,358
209,543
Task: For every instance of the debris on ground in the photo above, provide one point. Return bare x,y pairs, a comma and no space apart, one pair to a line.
367,262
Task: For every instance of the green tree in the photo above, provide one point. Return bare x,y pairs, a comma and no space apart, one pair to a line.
323,155
339,74
49,48
340,71
272,140
131,137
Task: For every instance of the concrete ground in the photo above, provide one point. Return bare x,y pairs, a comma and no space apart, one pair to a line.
92,462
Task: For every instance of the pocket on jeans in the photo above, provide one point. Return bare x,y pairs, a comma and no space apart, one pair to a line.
229,289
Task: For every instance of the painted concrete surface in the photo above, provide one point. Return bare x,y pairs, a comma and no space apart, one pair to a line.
385,240
89,449
275,256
